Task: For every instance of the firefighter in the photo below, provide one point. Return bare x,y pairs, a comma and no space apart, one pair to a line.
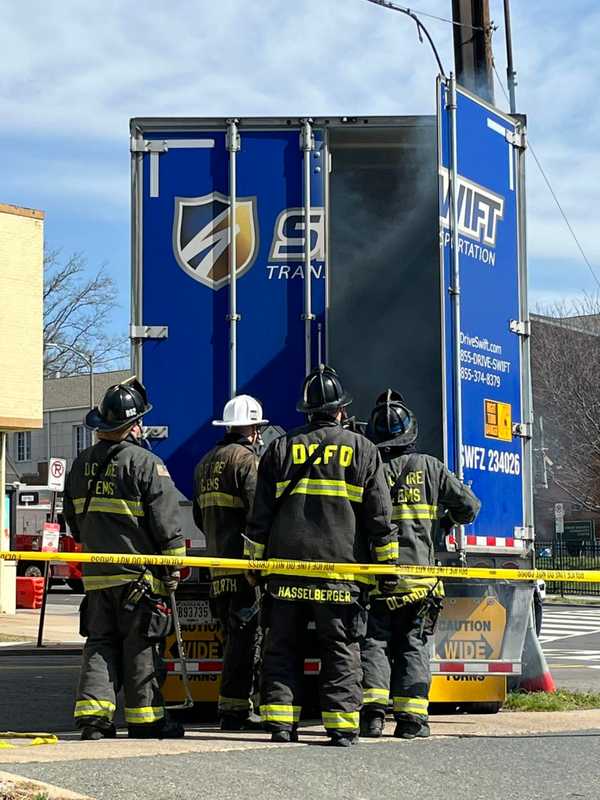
224,486
403,610
320,496
119,498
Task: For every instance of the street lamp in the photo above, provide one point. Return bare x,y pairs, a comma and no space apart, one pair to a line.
89,360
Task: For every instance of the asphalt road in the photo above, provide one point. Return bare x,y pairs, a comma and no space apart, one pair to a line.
552,767
570,639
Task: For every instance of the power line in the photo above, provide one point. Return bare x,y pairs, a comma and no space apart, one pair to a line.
387,4
553,193
421,29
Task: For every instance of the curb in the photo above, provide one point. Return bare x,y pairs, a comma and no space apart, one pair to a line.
47,650
9,781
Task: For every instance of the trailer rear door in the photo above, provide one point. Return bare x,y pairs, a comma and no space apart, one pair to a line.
183,181
491,356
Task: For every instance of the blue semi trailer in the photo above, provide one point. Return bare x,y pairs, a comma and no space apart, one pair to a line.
392,248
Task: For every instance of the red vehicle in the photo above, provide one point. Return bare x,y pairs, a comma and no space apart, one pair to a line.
33,510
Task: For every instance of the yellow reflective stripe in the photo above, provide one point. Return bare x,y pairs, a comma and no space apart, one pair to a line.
94,708
176,552
411,705
381,696
414,511
220,500
410,584
110,505
144,714
387,551
340,720
233,703
324,487
281,713
93,582
348,577
253,549
218,571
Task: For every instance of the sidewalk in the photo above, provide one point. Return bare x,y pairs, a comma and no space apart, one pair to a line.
207,739
61,627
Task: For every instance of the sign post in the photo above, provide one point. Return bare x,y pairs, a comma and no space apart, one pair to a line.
57,468
559,528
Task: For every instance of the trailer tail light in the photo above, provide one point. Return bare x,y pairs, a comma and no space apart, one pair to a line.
186,571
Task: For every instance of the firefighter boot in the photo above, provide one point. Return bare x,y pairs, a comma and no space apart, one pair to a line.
410,727
165,729
371,726
93,732
338,739
231,722
285,736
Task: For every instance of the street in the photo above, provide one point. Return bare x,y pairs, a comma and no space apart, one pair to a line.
571,642
480,768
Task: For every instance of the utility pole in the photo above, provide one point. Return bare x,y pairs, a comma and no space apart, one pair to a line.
511,75
473,46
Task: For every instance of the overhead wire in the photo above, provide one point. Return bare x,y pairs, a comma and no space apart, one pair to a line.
421,29
407,10
552,191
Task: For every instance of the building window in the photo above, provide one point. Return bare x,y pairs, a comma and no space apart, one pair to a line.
23,446
81,439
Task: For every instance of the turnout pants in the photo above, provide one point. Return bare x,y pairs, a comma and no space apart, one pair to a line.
339,629
238,614
117,653
395,657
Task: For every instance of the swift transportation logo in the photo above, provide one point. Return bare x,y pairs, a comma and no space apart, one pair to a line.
479,213
201,237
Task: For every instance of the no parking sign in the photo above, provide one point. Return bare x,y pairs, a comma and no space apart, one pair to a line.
57,469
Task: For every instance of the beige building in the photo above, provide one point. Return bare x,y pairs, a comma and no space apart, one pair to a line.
21,322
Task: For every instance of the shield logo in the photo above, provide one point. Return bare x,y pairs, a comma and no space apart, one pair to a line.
201,237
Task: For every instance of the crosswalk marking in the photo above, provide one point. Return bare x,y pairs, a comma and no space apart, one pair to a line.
566,623
583,657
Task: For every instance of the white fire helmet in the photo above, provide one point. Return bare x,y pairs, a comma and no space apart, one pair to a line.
241,411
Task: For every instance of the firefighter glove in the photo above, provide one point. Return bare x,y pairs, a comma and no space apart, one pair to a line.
171,581
388,583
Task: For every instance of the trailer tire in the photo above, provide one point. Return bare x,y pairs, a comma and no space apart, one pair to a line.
33,571
75,585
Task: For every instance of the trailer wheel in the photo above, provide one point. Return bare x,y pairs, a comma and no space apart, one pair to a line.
33,571
75,585
481,708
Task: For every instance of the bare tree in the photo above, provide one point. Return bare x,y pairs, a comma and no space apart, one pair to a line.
78,307
566,388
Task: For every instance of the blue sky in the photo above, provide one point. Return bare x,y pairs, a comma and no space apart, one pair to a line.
73,74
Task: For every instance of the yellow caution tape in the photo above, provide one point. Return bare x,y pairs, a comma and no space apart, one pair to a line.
35,739
288,567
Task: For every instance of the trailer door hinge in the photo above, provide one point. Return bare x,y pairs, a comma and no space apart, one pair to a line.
522,327
517,139
307,137
526,533
156,431
149,332
522,429
232,137
149,145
